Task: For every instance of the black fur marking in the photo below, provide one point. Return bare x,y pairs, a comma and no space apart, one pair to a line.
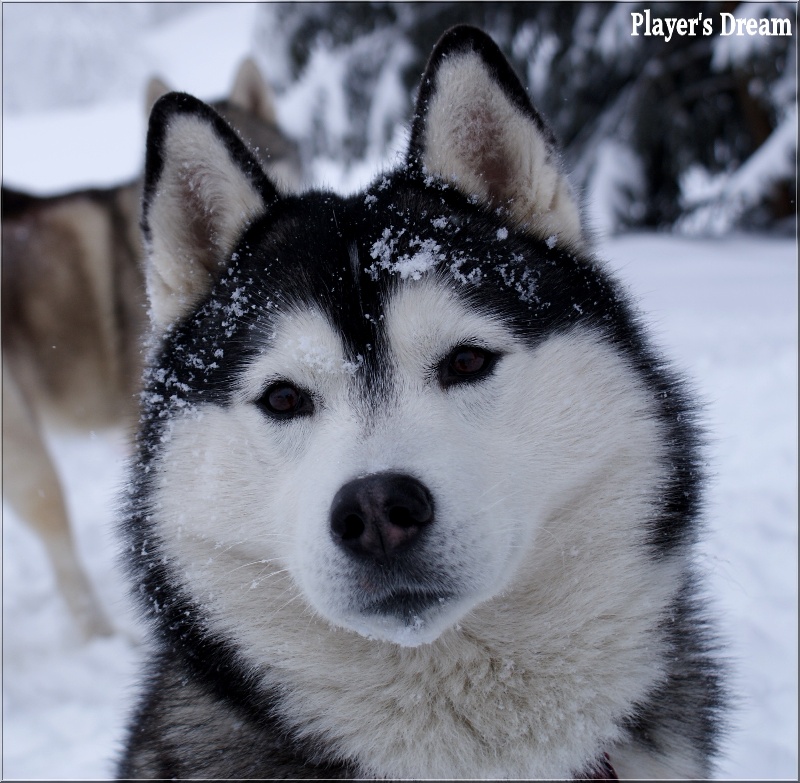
221,746
692,702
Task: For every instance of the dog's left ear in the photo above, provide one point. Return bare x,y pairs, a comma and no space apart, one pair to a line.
202,188
156,88
252,92
475,127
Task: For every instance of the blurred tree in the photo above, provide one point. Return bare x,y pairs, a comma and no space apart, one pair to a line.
658,131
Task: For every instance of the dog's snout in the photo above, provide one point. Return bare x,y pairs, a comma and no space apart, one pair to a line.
380,515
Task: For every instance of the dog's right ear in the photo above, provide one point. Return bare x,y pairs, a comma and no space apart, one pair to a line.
202,188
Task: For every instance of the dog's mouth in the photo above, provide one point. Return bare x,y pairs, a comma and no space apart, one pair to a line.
408,617
407,605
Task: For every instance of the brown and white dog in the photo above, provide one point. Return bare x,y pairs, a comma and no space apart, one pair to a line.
73,317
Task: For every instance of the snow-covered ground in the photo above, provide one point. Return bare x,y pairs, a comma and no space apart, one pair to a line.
725,309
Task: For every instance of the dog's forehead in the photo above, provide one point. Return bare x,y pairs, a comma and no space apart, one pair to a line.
351,284
302,345
376,267
425,319
415,322
344,253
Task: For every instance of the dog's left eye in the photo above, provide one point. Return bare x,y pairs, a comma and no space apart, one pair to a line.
466,363
283,400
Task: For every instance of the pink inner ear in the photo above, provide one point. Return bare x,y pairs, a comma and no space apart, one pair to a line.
481,144
199,233
479,138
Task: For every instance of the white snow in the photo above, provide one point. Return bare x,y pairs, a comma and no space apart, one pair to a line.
721,199
613,186
427,253
98,146
222,34
725,309
103,144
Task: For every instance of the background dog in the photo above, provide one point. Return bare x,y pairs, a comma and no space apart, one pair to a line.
73,316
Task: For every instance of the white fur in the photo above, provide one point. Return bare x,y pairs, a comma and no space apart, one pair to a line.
202,204
542,477
477,139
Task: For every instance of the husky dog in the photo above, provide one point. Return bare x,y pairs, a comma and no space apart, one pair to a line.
413,496
73,313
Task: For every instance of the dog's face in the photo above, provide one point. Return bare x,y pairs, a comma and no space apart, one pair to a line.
371,409
384,485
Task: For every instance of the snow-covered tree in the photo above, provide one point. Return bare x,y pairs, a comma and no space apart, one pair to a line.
693,133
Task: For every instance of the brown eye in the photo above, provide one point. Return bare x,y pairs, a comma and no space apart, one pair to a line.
466,363
283,400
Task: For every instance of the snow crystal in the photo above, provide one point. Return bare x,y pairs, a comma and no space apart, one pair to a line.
517,276
474,277
351,368
502,233
313,356
320,360
425,257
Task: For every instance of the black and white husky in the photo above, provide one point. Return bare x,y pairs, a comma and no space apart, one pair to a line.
414,497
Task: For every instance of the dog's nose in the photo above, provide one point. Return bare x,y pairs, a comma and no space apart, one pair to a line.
380,515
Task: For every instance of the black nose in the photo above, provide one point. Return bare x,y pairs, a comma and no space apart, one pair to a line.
380,515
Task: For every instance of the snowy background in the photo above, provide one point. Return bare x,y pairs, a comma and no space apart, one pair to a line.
725,308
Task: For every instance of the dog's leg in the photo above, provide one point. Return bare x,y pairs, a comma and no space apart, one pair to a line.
32,488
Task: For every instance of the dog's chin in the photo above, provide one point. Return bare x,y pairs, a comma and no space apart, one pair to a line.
408,620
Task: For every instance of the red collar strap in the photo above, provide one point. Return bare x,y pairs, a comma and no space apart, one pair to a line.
600,770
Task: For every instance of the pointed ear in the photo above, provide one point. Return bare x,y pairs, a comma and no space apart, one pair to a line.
155,89
252,93
475,127
202,189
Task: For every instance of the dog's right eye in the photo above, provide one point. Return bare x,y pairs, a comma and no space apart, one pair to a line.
466,363
283,400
